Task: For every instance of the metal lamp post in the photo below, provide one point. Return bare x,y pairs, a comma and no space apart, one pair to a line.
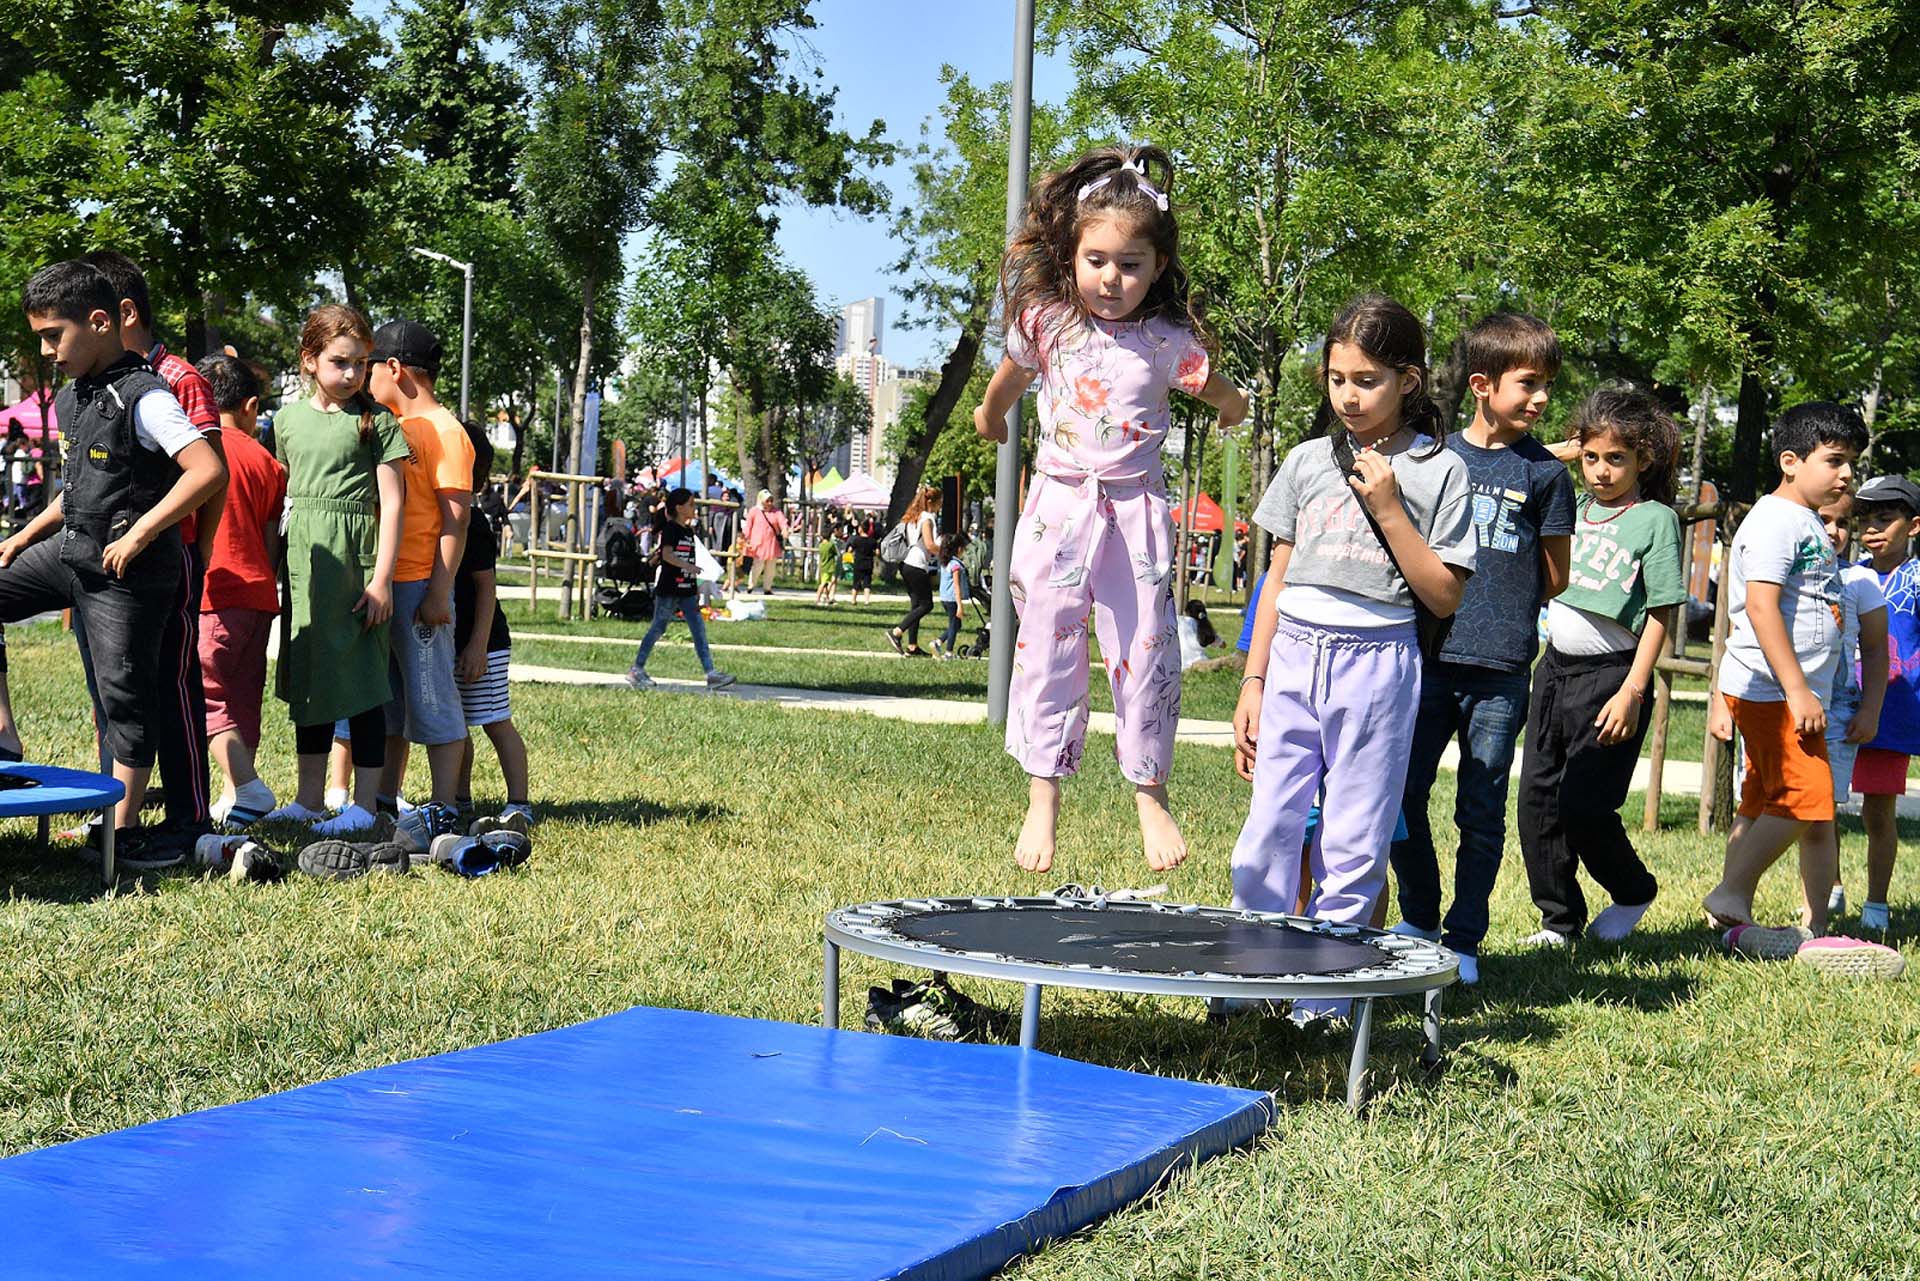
466,320
1006,492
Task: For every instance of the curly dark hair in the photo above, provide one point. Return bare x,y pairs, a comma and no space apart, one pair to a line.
1038,272
1642,426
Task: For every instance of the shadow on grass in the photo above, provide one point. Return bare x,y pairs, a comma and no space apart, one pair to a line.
58,873
634,811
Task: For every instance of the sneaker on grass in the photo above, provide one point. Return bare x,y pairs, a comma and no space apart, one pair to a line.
417,828
637,679
1766,942
346,860
141,850
717,679
1546,939
1850,958
511,819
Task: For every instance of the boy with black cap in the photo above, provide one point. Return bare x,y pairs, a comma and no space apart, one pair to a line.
433,530
1886,507
134,466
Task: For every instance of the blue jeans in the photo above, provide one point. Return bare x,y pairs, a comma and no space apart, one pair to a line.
664,608
1485,710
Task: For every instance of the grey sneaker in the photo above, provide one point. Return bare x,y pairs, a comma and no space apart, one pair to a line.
637,679
717,679
505,821
345,860
417,828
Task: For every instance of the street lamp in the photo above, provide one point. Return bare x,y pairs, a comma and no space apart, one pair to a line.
466,320
1006,491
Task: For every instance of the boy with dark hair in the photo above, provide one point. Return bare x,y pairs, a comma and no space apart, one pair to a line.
180,715
134,467
1476,689
1785,611
241,598
482,651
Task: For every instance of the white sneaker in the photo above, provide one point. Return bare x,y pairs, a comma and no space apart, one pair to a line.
638,680
350,821
1469,968
1545,938
1412,931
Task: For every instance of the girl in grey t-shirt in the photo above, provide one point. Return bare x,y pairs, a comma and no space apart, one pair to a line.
1333,679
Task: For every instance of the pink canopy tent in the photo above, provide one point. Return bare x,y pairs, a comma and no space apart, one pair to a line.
860,491
27,414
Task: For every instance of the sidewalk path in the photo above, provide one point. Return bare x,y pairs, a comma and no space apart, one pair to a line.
1680,778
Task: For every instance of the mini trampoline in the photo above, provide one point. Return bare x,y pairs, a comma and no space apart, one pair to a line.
52,789
1164,948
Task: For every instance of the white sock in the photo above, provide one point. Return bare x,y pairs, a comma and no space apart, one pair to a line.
336,798
254,795
1617,921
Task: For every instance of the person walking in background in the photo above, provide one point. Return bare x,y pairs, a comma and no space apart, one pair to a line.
828,553
865,545
916,571
766,535
953,590
676,592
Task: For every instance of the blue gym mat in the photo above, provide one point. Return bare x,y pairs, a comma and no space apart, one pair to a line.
653,1143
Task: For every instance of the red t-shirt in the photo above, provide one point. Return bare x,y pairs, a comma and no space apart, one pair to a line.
240,576
195,395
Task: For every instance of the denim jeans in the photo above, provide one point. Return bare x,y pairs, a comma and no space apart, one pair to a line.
1485,711
664,609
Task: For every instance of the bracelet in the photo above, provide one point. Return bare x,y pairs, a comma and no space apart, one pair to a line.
1244,681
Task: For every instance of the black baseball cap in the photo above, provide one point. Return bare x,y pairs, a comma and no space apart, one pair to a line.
1889,490
410,343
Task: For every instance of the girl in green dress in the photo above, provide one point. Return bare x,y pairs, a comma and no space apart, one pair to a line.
342,530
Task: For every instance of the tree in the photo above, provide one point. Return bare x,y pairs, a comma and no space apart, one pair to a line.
822,427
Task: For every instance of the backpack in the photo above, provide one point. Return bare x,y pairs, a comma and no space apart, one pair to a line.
894,547
618,551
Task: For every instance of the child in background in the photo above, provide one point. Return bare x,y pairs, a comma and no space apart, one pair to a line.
1333,676
1474,691
829,553
482,651
1098,310
1887,507
242,594
1590,709
1781,651
342,452
953,590
675,591
865,545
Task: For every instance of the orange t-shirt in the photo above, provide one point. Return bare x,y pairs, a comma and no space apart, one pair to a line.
439,457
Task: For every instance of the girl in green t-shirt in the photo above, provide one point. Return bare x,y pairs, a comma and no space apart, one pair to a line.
1589,709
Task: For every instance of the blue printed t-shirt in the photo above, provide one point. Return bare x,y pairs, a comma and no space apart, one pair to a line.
1521,494
1900,714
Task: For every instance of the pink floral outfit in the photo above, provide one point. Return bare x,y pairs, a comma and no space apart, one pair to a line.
1096,539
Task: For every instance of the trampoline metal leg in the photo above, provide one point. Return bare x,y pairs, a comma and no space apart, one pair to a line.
1430,1024
1030,1017
830,986
1357,1069
106,847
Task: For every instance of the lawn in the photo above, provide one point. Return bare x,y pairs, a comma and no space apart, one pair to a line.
1652,1109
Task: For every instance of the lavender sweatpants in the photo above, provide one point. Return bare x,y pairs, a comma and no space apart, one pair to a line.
1339,705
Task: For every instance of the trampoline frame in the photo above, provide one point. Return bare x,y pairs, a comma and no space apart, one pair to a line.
1418,968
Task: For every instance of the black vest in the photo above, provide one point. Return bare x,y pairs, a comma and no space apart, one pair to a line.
111,480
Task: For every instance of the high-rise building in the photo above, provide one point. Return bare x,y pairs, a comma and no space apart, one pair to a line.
860,328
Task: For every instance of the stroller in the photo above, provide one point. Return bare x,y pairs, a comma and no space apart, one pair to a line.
622,579
980,594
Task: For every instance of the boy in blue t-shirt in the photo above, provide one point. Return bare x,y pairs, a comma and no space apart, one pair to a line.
1476,690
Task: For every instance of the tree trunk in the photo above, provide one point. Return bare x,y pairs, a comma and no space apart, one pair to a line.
1703,415
1869,412
1450,383
1752,461
954,373
576,436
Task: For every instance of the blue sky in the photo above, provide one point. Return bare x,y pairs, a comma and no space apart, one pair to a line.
885,56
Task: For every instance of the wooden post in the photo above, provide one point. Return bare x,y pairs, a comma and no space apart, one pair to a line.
535,526
1657,764
1713,816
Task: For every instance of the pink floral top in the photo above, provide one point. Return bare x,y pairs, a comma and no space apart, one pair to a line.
1103,391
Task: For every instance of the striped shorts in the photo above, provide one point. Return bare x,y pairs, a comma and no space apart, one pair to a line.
485,700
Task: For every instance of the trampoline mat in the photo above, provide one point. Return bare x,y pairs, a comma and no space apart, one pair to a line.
1147,942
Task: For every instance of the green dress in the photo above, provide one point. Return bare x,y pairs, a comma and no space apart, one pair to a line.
330,665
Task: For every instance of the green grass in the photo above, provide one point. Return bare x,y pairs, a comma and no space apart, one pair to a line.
1653,1109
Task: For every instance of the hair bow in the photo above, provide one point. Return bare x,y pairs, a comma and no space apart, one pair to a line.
1139,173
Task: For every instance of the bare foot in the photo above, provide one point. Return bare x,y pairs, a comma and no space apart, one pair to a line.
1724,908
1166,848
1034,850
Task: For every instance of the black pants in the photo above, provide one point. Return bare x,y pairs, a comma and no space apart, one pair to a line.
122,616
178,718
367,742
1572,787
920,591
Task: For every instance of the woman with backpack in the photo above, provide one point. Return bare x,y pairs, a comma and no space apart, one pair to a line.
919,531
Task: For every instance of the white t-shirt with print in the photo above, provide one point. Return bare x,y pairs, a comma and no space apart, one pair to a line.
1782,542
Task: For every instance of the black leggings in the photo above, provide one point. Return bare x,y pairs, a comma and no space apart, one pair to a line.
369,731
920,591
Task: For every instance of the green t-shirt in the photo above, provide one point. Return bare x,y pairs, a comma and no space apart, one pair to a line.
1626,561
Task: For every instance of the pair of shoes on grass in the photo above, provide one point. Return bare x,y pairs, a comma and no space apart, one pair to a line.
238,858
934,1009
1833,954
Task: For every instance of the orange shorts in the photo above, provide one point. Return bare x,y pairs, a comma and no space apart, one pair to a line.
1787,772
1878,772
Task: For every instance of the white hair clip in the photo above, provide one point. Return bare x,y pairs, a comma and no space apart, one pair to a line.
1147,189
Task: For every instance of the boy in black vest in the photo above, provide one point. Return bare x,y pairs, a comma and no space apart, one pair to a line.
134,466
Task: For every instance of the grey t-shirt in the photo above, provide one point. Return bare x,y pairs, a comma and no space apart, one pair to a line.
1311,505
1785,543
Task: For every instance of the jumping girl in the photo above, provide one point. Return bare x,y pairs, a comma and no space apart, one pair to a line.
1590,709
1098,310
1333,676
342,527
